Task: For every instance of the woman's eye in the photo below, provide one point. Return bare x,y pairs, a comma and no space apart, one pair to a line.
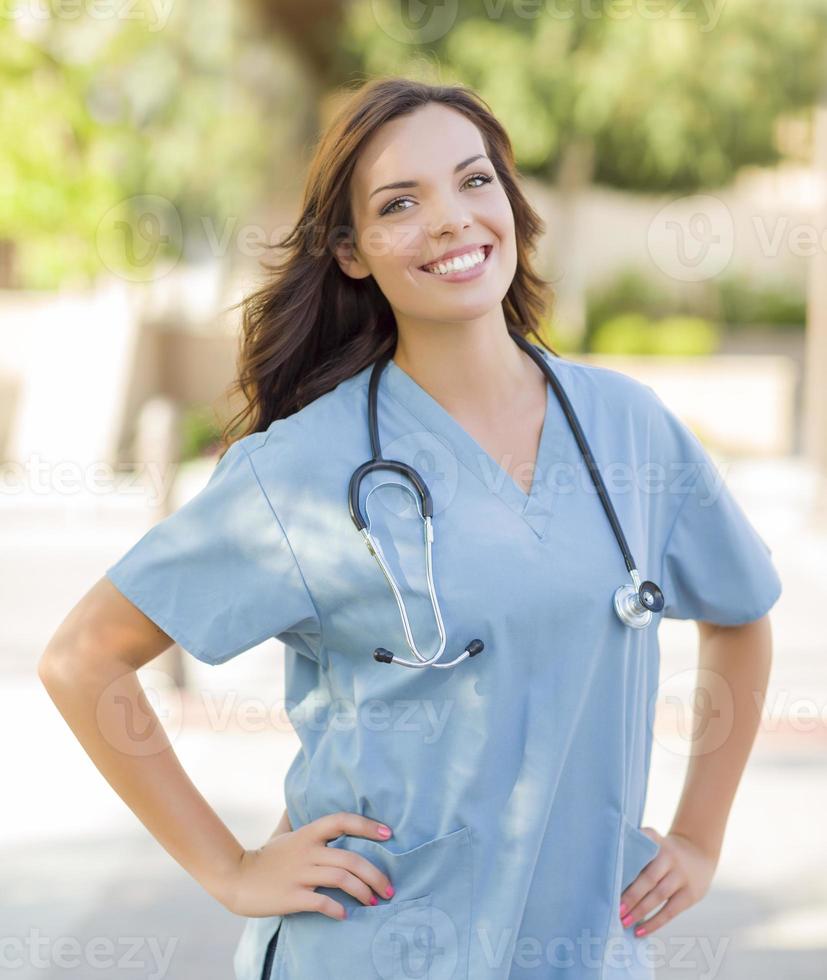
389,208
483,177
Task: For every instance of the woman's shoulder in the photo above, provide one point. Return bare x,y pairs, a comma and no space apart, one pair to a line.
621,392
318,429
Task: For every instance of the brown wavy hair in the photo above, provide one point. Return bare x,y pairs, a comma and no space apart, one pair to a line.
312,326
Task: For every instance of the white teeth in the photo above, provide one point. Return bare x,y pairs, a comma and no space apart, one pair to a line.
457,264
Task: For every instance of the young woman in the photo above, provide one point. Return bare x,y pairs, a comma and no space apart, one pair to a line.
514,781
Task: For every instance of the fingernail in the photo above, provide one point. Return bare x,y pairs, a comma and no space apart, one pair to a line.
640,931
389,892
626,920
623,909
344,913
373,900
384,831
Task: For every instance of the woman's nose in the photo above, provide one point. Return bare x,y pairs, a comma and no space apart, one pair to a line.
447,214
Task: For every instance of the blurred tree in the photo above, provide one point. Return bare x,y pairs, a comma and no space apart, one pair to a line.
661,97
106,121
311,28
207,109
669,97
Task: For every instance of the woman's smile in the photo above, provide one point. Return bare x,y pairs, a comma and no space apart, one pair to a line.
472,270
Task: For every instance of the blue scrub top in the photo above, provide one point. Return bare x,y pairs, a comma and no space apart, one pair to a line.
514,783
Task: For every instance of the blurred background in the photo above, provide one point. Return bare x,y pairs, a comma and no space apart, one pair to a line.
151,156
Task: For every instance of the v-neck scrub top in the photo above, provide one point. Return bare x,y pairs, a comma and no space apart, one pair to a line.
515,782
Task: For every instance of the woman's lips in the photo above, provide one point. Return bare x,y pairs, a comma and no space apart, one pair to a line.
462,274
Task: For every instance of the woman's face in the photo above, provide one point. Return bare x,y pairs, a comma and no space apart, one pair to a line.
452,200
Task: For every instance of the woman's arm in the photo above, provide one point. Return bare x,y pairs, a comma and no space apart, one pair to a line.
733,670
88,669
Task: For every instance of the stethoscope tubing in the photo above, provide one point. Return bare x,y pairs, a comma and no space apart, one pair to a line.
634,604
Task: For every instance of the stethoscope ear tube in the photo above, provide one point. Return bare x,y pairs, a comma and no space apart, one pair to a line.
397,466
634,604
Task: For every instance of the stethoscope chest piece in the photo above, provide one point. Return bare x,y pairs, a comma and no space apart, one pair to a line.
634,604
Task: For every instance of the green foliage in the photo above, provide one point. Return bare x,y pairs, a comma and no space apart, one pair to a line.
200,432
552,332
634,333
207,110
732,301
629,291
676,100
772,304
189,103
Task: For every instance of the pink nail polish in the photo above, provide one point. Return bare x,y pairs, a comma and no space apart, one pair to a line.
623,909
373,900
389,892
640,931
384,831
626,920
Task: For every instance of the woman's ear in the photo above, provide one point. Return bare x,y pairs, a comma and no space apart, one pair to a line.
350,262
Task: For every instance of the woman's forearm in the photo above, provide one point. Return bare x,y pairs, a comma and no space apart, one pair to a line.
733,670
109,713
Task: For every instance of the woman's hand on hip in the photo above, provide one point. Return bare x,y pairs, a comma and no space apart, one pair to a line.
280,876
679,875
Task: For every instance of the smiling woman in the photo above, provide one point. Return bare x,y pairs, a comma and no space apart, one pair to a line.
353,266
514,785
456,228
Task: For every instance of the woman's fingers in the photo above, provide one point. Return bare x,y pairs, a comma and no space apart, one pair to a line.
660,892
310,901
344,822
331,876
360,868
648,879
358,876
677,902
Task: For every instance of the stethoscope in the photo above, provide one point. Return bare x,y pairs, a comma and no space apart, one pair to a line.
634,603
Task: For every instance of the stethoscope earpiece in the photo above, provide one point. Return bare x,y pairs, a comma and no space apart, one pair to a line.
634,604
383,656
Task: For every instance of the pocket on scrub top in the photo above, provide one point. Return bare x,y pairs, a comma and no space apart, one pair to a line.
638,851
626,956
423,932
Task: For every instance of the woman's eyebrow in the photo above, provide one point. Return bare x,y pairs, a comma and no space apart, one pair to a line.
414,183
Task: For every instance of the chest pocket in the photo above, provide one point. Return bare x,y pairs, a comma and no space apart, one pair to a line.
423,931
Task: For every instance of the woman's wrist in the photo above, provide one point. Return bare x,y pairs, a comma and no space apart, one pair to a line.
709,845
221,879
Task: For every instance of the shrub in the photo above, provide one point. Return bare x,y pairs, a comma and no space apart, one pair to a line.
200,432
634,333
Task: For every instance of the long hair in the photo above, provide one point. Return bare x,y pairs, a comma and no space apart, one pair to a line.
312,326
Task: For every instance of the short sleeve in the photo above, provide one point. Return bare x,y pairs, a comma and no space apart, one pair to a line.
715,565
219,575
